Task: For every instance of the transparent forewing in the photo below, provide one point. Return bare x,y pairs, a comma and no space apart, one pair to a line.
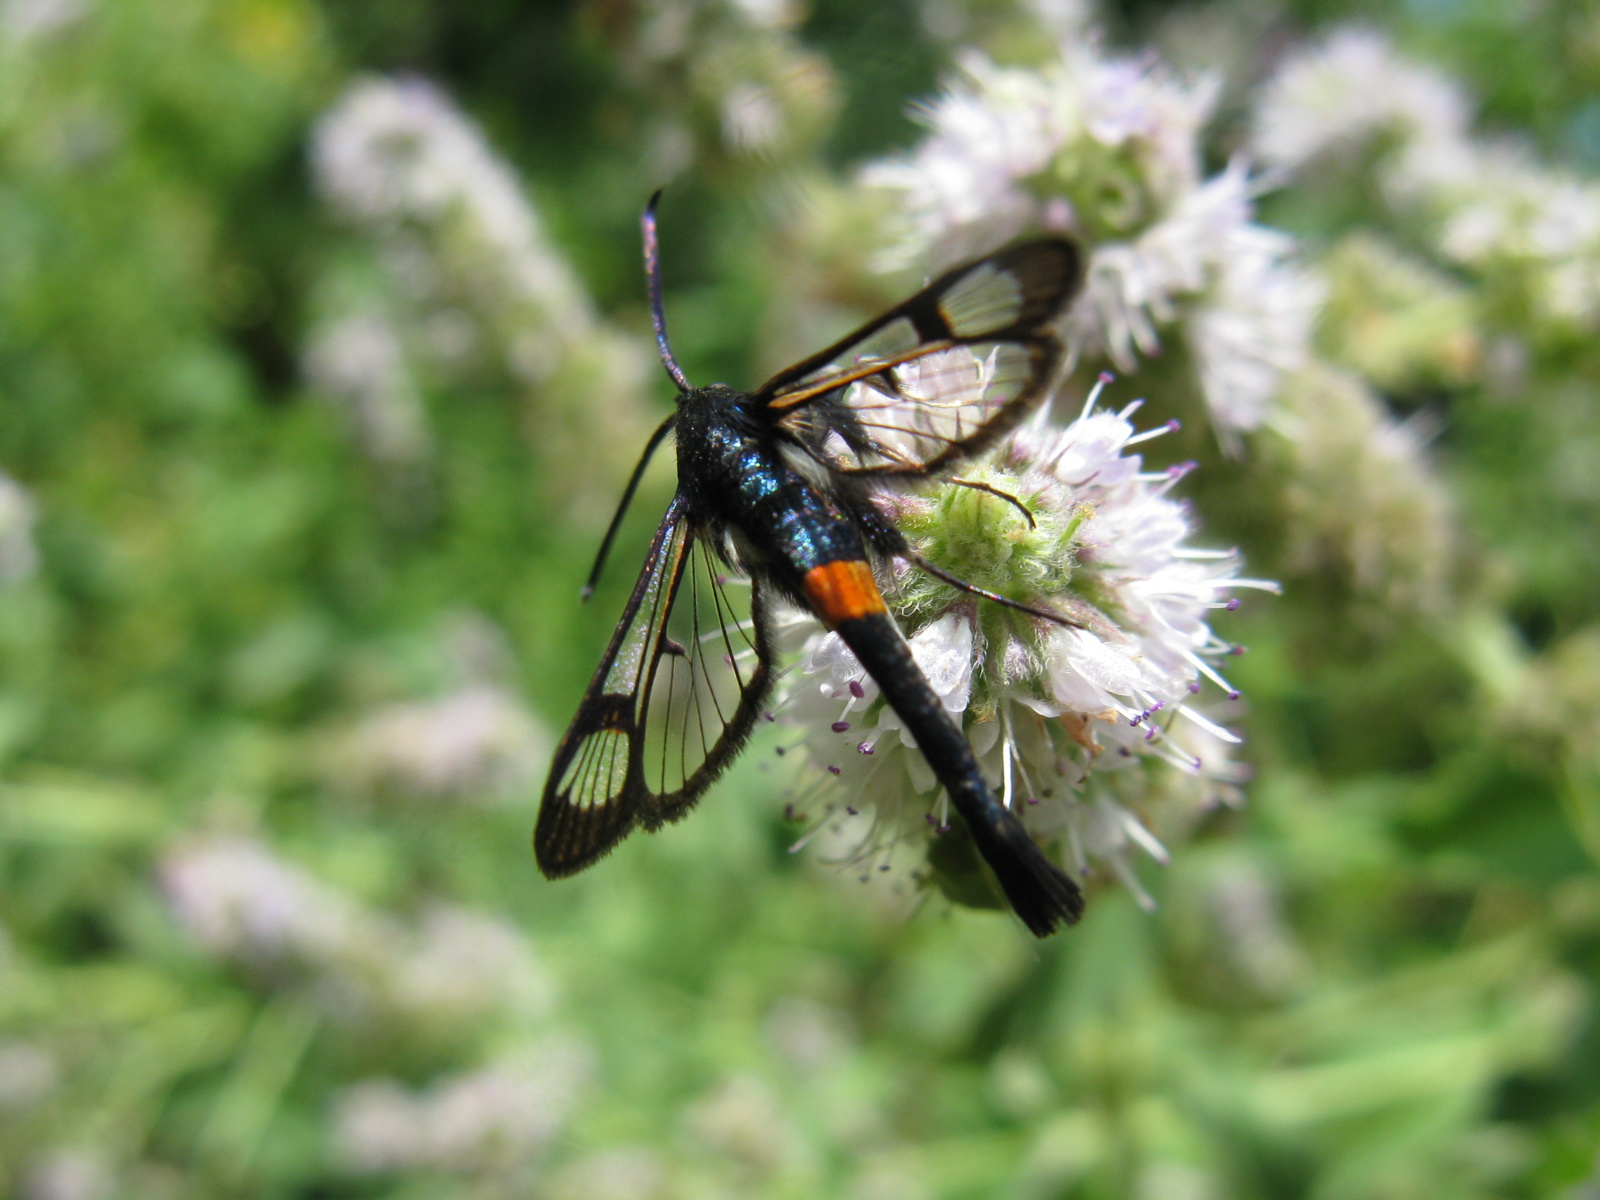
595,793
942,375
928,411
710,676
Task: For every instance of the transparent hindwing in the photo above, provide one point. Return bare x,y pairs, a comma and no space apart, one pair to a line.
675,697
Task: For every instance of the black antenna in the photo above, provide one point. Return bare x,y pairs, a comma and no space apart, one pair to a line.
652,274
627,495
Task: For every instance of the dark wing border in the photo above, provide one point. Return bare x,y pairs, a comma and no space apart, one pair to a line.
1043,300
662,807
570,836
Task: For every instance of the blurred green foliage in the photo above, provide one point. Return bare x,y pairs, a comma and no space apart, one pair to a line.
1377,982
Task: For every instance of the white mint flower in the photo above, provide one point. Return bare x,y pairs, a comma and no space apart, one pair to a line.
358,361
478,280
1085,731
69,1173
1493,209
479,743
1540,224
28,1074
19,555
393,154
240,901
453,970
1110,149
1084,139
463,965
727,84
24,22
1337,95
487,1121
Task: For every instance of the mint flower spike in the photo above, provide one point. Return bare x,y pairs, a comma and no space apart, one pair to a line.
1111,148
1095,734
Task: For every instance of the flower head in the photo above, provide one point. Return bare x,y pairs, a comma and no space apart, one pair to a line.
1349,88
19,555
483,1122
1076,725
1110,149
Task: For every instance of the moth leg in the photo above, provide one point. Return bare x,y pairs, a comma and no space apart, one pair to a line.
973,589
994,491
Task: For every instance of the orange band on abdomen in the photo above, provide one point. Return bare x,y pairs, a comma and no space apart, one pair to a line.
842,590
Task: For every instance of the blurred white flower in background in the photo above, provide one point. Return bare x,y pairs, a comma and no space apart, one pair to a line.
458,957
487,1121
242,903
743,1120
1493,209
358,360
808,1035
1076,728
1246,907
723,84
19,555
486,287
25,21
69,1173
474,740
617,1173
396,153
1336,95
28,1074
479,743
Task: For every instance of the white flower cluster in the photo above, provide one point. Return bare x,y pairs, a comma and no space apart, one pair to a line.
1361,495
19,555
1074,727
28,1074
488,1121
476,284
1337,96
358,360
473,739
1109,149
478,743
396,155
1494,209
26,21
69,1173
242,903
725,79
